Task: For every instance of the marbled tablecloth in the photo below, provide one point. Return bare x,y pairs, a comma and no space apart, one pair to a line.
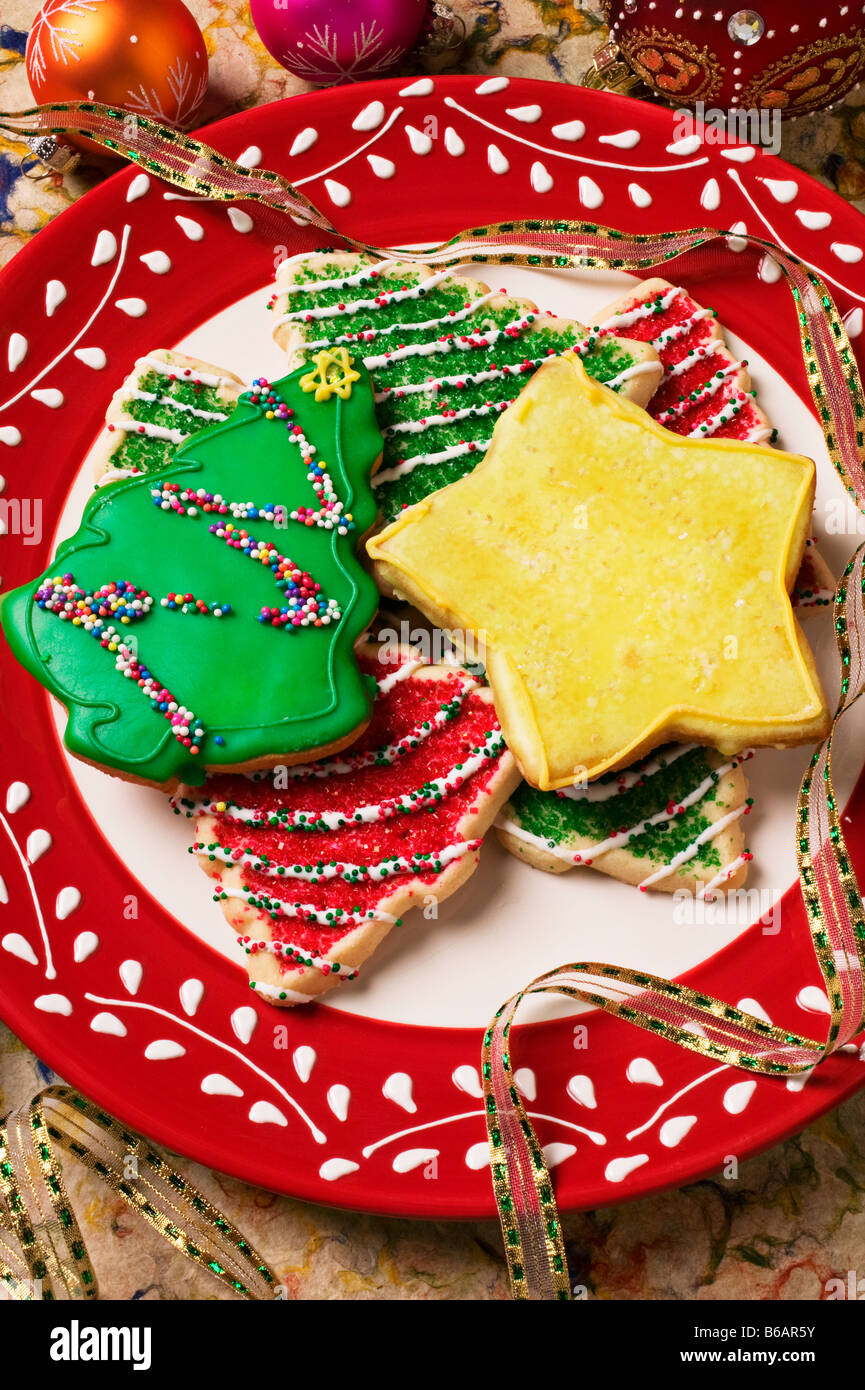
795,1217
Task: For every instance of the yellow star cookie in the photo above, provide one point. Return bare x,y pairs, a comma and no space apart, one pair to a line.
628,586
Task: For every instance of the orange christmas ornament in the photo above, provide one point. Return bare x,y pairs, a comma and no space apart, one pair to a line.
147,56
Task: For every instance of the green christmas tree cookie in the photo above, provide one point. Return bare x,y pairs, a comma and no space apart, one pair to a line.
204,616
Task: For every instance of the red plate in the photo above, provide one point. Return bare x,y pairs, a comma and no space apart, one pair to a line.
141,1014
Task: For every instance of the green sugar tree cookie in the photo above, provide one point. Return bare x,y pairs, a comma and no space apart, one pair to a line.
185,628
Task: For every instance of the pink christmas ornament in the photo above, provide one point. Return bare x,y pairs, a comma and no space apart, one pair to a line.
331,41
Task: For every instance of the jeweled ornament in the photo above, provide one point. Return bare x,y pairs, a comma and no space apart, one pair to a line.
331,41
746,26
792,56
149,58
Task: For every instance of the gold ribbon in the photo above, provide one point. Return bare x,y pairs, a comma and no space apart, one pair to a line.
833,901
42,1251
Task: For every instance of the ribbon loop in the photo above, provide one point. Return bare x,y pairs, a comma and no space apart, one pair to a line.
42,1250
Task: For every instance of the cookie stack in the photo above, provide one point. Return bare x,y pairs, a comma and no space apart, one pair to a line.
590,513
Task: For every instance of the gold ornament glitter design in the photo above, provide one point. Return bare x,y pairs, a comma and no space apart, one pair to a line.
673,66
810,77
332,375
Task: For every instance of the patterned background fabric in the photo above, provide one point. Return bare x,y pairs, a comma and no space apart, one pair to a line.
794,1217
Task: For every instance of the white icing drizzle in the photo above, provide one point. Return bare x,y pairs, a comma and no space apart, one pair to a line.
366,272
588,853
115,475
53,1004
479,338
131,973
304,1059
281,992
164,368
38,843
368,335
351,873
337,766
709,388
175,404
334,1168
757,434
658,818
301,956
723,417
398,1088
17,795
191,995
402,673
19,946
263,1112
680,330
629,777
338,1099
693,848
725,874
432,384
84,945
443,345
428,795
640,311
332,311
493,373
511,827
821,595
399,470
333,917
105,1022
68,899
638,369
147,427
692,358
431,421
215,1084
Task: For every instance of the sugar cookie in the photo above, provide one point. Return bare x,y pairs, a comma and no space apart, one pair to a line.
630,586
394,822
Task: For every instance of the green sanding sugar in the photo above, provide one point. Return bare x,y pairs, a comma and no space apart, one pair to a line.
142,452
559,818
529,339
147,452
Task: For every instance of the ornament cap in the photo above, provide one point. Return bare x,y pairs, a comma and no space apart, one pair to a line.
609,71
52,154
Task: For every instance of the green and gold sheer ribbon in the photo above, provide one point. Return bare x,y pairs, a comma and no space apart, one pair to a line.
42,1250
833,901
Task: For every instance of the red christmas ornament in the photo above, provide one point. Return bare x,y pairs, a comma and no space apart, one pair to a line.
791,56
147,56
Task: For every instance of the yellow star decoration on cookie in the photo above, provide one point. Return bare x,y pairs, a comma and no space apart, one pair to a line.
627,586
332,375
